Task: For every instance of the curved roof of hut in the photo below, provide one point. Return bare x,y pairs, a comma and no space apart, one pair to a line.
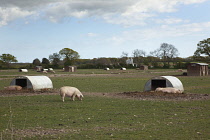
40,82
36,82
171,81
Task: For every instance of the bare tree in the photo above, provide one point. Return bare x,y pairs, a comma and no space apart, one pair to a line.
138,56
166,51
155,53
172,51
124,54
139,53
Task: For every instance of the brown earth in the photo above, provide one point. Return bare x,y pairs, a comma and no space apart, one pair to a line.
128,95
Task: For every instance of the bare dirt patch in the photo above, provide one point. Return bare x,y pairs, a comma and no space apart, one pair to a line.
38,132
165,96
129,95
154,96
26,92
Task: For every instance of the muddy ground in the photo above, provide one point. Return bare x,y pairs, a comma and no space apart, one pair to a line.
129,95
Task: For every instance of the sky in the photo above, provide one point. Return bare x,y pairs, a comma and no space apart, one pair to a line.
31,29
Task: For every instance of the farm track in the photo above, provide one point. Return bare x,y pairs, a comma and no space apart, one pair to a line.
127,95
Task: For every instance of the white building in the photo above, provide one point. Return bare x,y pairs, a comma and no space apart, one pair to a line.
130,61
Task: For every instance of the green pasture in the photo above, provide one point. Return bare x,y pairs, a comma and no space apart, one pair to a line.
113,81
46,117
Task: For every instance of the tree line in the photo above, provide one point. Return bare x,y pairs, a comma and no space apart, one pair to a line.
166,56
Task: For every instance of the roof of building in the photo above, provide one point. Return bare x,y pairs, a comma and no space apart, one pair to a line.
36,82
202,64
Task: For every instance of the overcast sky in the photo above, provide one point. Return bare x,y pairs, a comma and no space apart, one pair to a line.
31,29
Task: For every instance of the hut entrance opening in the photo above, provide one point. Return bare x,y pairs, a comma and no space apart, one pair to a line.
21,82
158,83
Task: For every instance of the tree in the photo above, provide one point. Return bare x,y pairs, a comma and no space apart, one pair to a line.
152,60
166,52
36,62
7,59
45,61
122,60
55,58
203,48
139,56
69,56
1,63
103,62
155,53
124,54
139,53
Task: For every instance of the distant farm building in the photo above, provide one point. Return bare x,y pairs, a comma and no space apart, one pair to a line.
23,70
33,82
38,68
70,69
143,67
106,69
122,68
129,61
50,69
197,69
163,81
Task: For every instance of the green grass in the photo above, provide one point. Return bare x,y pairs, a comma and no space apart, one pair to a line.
196,84
103,118
101,84
113,81
46,117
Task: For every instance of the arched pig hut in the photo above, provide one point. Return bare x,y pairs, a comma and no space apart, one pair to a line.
23,70
33,82
163,81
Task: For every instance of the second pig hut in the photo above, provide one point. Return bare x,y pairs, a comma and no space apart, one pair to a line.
70,69
38,68
163,81
33,82
197,69
143,67
23,70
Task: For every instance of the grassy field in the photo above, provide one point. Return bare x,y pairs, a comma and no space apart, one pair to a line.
97,117
113,81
